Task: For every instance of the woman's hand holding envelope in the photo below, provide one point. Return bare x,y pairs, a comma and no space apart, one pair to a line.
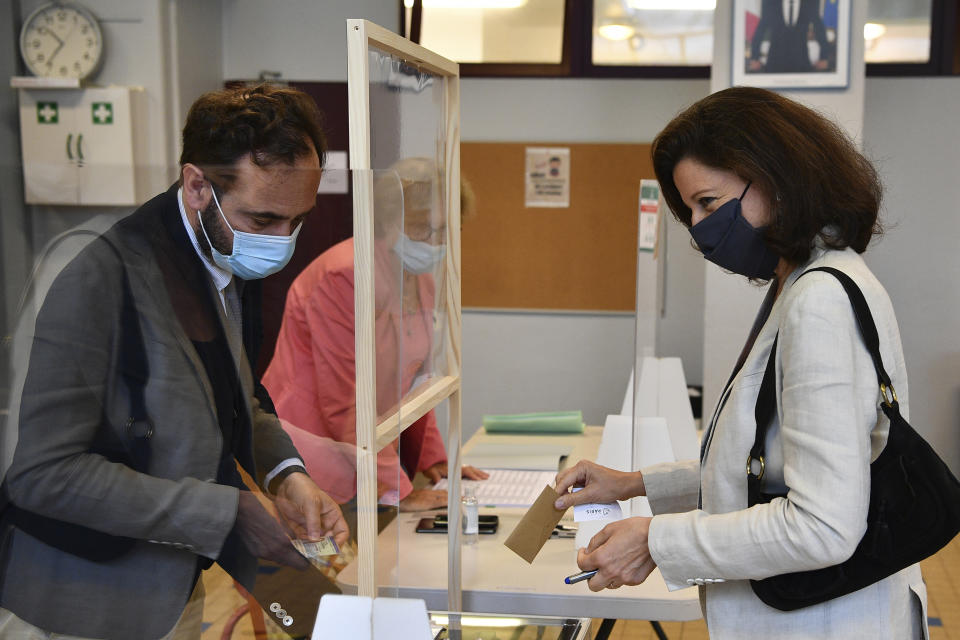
600,484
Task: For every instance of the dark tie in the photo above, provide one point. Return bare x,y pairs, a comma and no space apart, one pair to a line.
231,296
790,20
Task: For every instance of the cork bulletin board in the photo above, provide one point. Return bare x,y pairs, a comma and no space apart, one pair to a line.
583,257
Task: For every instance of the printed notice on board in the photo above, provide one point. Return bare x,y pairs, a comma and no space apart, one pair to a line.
548,177
649,214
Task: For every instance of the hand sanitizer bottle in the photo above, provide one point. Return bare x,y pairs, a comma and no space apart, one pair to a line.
470,508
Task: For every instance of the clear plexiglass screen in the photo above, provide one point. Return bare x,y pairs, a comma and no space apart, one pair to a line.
408,138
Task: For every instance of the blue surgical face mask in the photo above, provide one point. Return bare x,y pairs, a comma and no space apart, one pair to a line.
417,256
254,255
730,242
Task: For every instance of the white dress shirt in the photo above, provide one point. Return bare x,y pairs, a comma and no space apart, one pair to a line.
790,17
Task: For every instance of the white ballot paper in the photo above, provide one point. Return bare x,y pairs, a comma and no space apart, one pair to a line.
596,511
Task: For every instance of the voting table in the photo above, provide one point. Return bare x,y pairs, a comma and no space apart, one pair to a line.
496,580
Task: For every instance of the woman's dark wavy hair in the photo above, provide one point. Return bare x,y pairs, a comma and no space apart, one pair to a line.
806,163
272,124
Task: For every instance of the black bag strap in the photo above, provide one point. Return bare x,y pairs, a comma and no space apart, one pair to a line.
139,426
766,398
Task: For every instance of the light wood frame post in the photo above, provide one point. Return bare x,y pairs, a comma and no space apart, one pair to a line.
358,96
454,328
371,436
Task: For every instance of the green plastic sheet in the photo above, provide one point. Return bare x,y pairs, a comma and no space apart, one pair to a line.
544,422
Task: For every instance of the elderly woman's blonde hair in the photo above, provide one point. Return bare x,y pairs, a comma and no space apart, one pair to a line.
413,184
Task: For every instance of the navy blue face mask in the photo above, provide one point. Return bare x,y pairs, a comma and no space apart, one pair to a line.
726,239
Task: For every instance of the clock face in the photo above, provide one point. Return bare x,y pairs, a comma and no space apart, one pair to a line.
61,40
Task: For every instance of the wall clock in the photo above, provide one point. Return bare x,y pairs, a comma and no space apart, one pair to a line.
61,40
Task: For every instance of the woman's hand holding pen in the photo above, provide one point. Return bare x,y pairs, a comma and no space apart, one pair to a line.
619,553
600,485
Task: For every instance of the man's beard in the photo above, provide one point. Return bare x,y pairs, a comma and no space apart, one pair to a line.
214,226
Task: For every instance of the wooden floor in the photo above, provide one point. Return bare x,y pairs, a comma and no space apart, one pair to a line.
941,572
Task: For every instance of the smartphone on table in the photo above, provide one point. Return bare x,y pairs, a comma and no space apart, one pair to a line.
487,524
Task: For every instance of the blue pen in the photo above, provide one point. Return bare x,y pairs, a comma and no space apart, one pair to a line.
577,577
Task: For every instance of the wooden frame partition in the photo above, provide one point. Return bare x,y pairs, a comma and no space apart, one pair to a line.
371,434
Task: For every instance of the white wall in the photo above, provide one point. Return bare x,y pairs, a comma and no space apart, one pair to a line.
911,133
572,110
519,362
194,38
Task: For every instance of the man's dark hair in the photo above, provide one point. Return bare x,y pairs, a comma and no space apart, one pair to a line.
272,124
809,167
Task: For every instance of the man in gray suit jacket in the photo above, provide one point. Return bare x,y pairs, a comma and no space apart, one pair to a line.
139,399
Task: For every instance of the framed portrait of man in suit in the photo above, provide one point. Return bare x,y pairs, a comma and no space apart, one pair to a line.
786,44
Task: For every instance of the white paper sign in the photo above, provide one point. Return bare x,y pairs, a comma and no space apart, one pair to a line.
547,177
335,178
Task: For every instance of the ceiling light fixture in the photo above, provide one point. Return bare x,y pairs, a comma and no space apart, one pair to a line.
616,31
873,30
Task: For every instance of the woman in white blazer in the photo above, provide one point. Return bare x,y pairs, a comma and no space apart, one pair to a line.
770,189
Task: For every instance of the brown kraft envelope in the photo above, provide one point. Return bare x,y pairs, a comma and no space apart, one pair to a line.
534,529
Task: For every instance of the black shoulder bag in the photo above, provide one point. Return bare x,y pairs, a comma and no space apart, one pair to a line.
914,499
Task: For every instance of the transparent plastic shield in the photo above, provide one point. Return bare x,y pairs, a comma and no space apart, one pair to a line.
349,310
408,136
404,103
385,354
404,109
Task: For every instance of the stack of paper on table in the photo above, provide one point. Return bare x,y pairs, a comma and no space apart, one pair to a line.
507,487
518,471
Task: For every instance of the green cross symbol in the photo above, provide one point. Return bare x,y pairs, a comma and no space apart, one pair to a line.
649,193
47,113
102,112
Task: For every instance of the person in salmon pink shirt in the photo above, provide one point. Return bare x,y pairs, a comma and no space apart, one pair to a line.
313,372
